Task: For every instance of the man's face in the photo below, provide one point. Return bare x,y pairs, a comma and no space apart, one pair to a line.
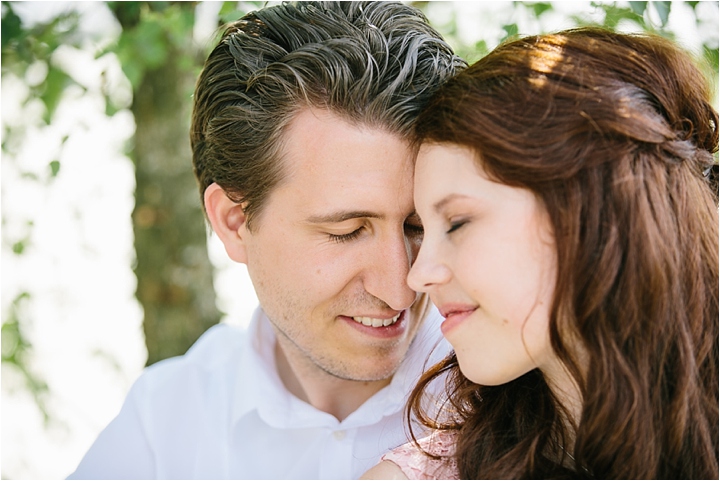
331,248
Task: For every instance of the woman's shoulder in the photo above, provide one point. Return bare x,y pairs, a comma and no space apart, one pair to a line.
433,459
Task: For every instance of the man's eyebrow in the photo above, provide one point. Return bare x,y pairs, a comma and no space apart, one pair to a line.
343,215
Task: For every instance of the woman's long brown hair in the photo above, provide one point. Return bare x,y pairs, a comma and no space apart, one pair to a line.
614,133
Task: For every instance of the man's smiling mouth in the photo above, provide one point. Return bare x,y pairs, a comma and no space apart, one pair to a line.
375,322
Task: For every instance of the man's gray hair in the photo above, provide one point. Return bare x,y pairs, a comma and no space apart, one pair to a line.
371,63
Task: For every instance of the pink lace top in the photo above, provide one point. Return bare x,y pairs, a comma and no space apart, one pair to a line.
415,464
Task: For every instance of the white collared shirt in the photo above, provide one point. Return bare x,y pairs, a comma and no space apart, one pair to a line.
221,411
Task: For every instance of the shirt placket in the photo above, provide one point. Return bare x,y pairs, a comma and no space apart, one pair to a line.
336,460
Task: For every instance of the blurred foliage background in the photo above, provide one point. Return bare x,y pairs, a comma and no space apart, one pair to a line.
132,66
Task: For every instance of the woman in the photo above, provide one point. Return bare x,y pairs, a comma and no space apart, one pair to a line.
571,242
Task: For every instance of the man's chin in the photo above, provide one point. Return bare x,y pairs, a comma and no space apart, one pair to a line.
374,373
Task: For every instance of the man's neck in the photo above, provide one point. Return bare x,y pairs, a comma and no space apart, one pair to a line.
320,389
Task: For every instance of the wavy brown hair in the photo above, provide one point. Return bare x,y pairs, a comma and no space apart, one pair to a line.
614,133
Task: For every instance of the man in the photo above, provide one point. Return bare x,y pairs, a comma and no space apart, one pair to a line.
300,135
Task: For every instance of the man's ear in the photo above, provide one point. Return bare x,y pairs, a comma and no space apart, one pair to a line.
228,222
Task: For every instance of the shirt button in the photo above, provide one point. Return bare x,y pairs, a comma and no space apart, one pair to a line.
339,435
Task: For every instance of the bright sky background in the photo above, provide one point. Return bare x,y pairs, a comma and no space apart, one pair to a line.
85,324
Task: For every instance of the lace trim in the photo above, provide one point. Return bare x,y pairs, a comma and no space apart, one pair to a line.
415,464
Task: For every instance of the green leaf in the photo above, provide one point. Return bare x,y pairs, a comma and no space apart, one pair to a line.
638,7
511,30
15,347
11,28
472,54
126,13
110,107
663,10
54,168
55,84
227,7
232,16
482,48
540,8
229,12
19,247
614,14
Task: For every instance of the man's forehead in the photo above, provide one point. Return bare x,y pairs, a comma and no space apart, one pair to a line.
322,143
320,131
335,170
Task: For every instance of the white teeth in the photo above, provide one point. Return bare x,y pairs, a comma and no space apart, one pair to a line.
374,322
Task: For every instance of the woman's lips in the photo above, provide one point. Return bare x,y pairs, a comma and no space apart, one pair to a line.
454,316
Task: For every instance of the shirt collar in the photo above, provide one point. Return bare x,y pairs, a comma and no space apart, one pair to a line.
256,372
259,388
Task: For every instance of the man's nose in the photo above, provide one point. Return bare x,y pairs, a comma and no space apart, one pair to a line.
386,276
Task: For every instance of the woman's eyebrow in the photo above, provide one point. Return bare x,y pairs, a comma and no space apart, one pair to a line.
440,205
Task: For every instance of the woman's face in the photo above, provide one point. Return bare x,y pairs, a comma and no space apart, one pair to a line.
488,262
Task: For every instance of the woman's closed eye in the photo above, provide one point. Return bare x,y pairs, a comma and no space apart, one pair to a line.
455,225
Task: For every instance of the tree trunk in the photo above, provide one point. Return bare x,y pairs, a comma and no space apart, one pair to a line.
174,274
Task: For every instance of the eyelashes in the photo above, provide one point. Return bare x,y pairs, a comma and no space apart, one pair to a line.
340,238
455,226
414,230
411,230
